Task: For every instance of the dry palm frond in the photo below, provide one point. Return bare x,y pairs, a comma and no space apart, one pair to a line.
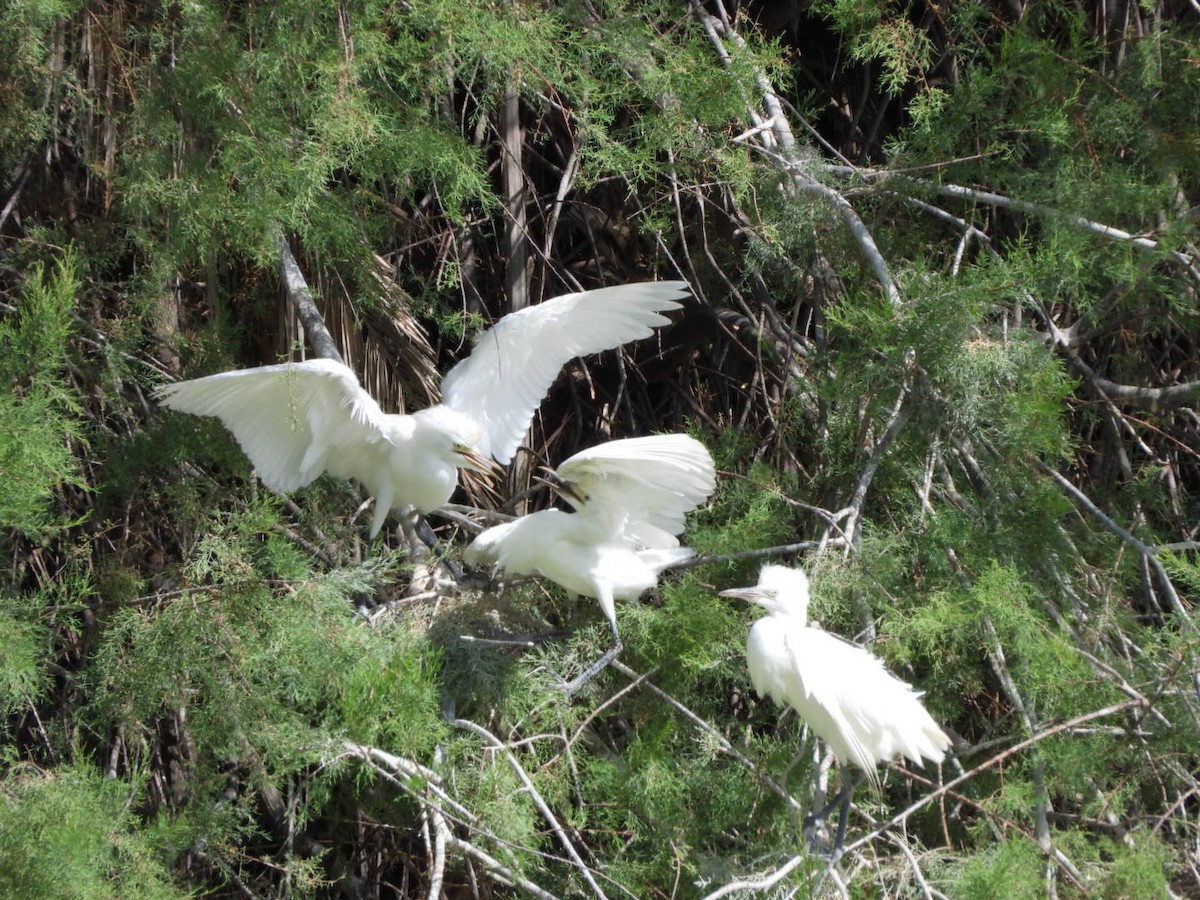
378,336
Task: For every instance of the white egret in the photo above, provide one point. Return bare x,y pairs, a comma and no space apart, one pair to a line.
847,697
630,498
297,420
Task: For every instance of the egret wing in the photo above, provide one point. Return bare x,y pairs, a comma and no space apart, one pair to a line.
287,418
655,480
502,383
877,716
826,691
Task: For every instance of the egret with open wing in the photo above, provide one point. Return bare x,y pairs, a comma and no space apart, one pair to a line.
297,420
630,498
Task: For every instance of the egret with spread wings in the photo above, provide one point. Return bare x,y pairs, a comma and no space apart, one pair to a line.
844,694
297,420
630,498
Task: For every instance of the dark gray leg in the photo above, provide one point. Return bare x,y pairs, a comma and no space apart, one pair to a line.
841,800
848,784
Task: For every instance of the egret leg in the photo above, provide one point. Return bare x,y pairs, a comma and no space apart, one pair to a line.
844,814
425,533
841,801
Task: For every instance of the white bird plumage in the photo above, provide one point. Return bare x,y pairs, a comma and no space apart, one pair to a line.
297,420
845,694
630,499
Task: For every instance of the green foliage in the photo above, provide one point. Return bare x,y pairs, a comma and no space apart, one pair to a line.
270,131
72,832
747,513
24,648
1057,124
1136,869
691,630
36,406
901,48
206,640
27,32
1007,870
236,651
1014,868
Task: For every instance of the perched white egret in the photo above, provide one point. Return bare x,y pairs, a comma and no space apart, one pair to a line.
630,498
297,420
847,697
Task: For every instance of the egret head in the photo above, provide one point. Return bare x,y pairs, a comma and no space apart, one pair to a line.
453,438
570,491
780,589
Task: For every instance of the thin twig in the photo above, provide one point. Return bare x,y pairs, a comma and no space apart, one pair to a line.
538,800
896,420
722,742
1146,550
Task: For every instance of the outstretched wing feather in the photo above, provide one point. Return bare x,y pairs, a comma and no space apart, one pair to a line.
657,480
287,418
502,383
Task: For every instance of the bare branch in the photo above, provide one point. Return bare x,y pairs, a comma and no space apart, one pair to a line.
1146,550
1153,399
544,808
761,884
780,550
776,125
516,233
991,198
492,864
991,763
301,298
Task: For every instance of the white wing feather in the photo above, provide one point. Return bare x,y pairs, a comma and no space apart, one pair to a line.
502,383
655,480
850,699
288,418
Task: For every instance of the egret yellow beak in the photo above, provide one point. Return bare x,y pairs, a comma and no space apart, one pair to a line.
564,488
753,595
477,462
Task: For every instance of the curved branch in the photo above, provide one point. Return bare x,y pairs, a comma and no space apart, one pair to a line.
301,298
777,130
1154,399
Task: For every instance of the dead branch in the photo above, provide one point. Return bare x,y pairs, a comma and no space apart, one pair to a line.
543,807
1148,552
301,298
990,198
776,126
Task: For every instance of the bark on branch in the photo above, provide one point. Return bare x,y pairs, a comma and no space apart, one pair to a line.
775,129
1174,396
301,298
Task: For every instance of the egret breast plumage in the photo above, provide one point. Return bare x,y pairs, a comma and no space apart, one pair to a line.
297,420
